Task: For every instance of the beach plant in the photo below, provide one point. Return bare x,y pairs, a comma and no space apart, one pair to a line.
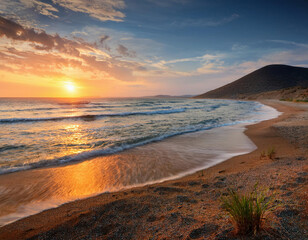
262,154
247,210
302,100
271,153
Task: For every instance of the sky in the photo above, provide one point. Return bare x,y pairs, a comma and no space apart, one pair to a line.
133,48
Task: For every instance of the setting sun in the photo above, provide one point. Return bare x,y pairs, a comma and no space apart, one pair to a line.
70,87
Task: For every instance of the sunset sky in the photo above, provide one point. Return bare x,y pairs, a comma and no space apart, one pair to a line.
131,48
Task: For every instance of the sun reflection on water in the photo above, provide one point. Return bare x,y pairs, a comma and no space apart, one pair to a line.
75,141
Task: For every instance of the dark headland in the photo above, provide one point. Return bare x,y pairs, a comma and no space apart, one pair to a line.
269,82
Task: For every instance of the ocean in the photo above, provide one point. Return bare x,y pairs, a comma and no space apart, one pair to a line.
50,132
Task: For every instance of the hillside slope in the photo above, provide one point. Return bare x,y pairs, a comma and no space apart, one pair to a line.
271,78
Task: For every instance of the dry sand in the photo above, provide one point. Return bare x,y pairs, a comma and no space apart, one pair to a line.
189,207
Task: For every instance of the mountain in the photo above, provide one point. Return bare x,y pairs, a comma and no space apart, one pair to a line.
272,81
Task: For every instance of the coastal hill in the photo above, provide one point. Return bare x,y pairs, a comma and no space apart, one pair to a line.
269,82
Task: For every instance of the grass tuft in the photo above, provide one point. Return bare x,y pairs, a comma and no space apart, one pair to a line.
271,153
247,210
262,154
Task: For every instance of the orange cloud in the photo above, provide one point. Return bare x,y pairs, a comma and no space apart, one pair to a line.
26,51
102,10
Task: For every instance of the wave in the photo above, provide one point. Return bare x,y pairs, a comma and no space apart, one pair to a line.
57,108
89,117
114,149
89,106
8,147
213,107
29,109
74,103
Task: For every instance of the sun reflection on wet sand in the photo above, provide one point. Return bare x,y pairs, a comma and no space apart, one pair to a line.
79,181
146,164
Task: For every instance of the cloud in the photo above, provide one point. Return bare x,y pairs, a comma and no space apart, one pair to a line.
302,45
125,52
40,39
204,60
167,3
104,10
103,38
25,10
102,42
298,57
210,68
238,47
25,62
142,49
206,22
14,9
29,51
222,21
41,7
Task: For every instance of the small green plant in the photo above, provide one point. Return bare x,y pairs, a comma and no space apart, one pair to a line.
246,210
301,100
262,154
271,153
287,99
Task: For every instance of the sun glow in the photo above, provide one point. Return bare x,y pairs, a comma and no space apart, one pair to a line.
70,87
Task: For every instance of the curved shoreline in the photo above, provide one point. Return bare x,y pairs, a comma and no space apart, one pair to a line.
261,134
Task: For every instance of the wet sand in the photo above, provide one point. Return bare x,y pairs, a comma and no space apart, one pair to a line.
189,207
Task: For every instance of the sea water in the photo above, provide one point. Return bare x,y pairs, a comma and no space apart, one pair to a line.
49,132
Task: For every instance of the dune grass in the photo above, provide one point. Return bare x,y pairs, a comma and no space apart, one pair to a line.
246,210
293,100
262,154
271,153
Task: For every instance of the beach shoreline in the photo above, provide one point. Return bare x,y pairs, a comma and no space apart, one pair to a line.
25,193
168,195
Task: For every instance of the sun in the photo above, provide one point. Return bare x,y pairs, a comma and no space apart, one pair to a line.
70,87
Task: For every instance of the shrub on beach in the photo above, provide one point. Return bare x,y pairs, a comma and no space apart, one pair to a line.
246,210
271,152
262,155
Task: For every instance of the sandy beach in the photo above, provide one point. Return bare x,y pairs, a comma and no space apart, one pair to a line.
190,207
